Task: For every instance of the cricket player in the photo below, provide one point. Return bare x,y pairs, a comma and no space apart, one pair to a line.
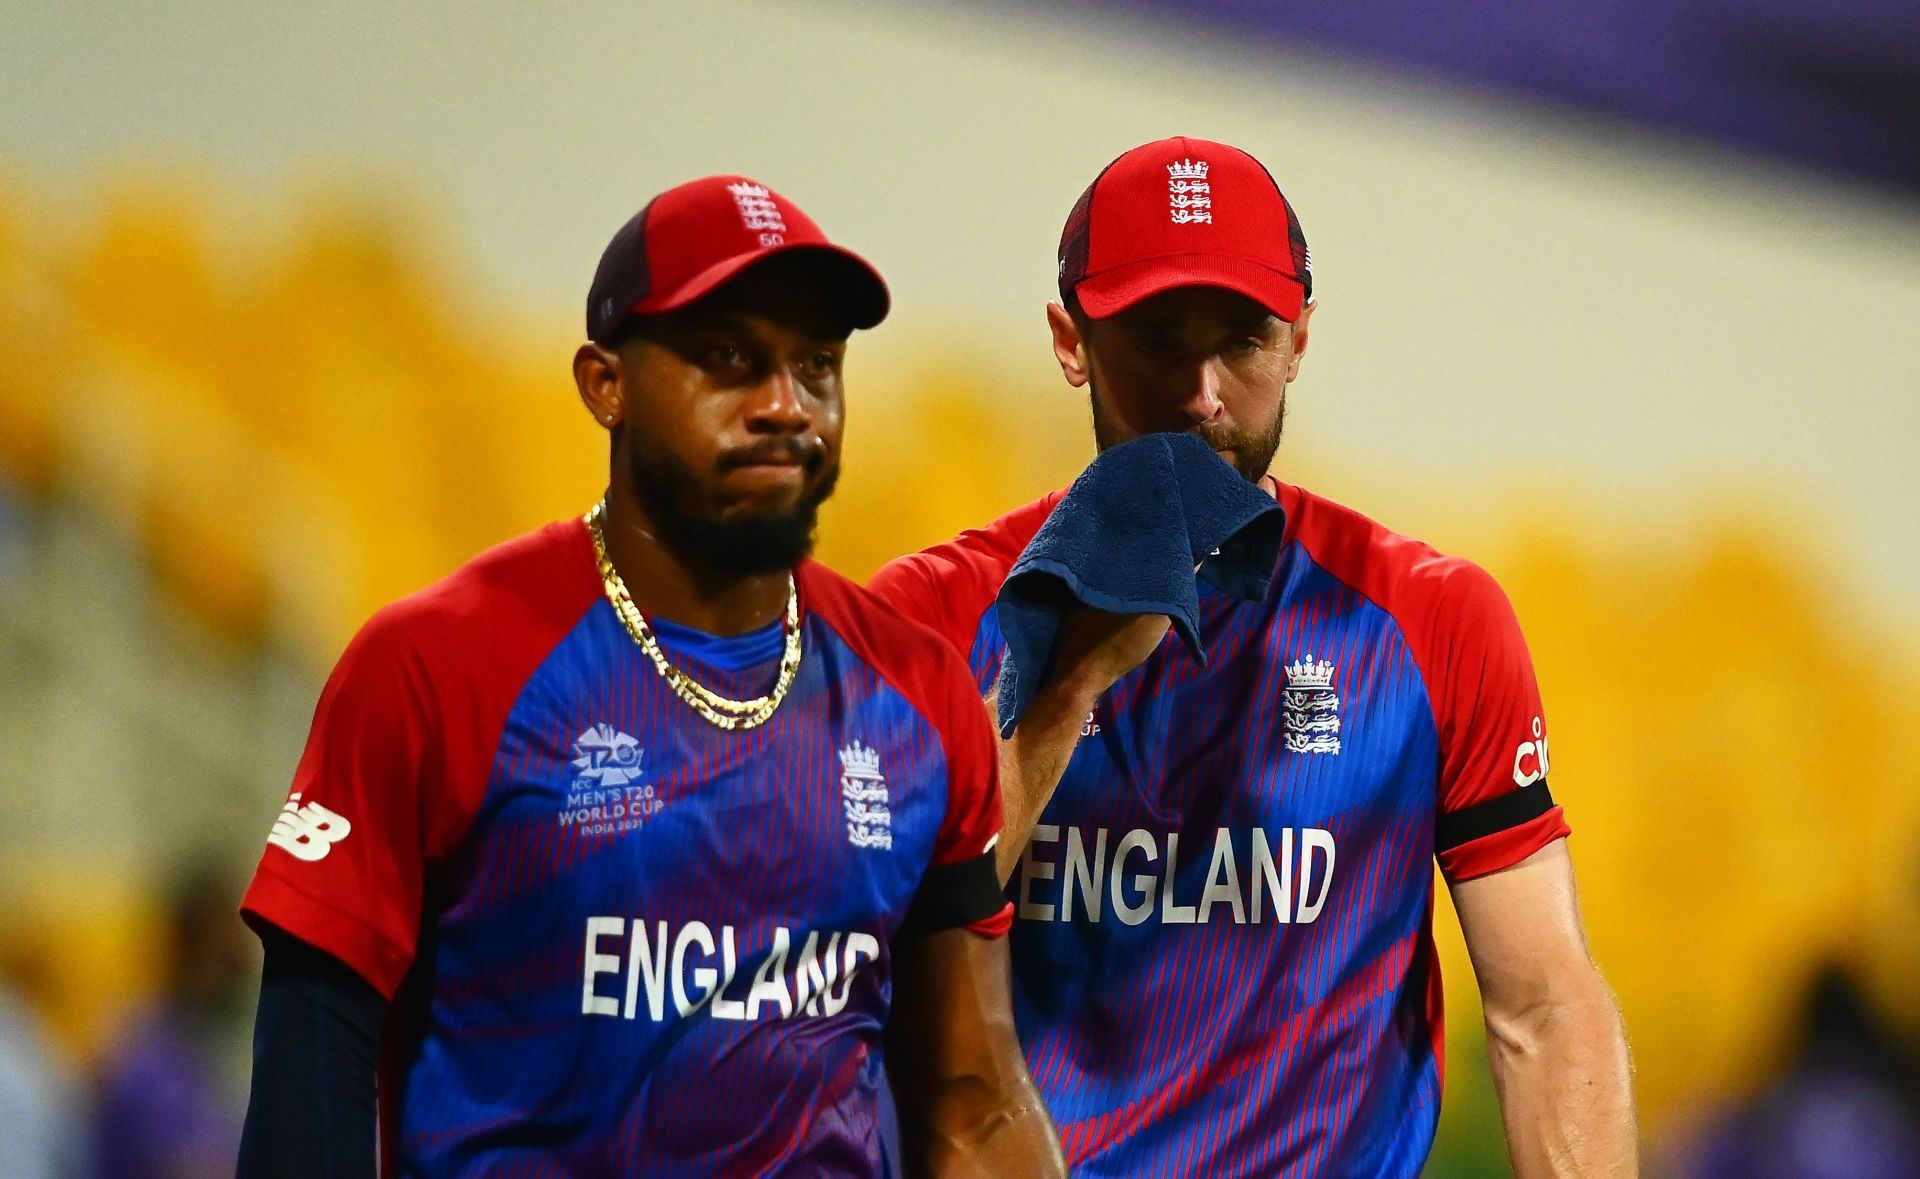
1223,954
642,844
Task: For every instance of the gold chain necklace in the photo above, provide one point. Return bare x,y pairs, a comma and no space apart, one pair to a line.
719,710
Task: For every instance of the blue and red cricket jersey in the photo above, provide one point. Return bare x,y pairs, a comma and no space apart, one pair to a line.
618,939
1223,957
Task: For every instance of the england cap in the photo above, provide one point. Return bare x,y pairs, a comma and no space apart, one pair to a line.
1184,212
691,239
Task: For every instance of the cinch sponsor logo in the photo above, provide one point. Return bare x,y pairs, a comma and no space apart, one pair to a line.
1253,876
693,969
1530,760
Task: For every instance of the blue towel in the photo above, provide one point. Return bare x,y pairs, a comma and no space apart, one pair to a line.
1126,539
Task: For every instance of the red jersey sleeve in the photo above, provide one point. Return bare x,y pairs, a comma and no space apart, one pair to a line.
962,886
402,746
344,865
972,826
1495,809
909,585
939,589
949,586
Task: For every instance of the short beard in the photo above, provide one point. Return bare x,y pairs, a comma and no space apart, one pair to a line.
1253,453
723,547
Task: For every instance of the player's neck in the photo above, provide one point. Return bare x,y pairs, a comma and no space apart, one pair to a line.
663,584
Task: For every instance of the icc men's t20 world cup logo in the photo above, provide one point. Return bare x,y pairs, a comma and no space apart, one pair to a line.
607,796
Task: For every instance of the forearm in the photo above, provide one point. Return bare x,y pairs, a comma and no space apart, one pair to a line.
1032,761
1565,1085
982,1128
967,1105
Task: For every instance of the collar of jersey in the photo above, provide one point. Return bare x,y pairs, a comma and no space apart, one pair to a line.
726,652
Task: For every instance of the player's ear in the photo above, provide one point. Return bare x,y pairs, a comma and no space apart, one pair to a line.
1299,341
596,374
1069,348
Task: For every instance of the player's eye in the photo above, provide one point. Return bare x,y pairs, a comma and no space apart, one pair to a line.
820,365
723,356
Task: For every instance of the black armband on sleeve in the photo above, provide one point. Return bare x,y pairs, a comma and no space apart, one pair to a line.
316,1041
952,895
1493,816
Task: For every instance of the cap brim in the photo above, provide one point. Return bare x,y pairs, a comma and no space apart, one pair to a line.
1110,292
846,274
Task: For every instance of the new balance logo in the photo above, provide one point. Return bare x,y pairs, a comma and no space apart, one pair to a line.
307,832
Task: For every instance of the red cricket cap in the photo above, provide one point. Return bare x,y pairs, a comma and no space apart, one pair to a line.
1184,212
692,239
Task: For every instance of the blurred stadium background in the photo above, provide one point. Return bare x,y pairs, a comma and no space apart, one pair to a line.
1624,304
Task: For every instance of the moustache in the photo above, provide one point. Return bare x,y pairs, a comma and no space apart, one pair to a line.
1235,440
806,453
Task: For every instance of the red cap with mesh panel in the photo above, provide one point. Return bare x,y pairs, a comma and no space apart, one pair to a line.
1184,212
692,239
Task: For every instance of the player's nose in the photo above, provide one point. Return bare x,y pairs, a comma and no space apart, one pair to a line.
1201,403
777,405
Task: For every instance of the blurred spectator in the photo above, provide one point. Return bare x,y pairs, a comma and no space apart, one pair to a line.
172,1089
1846,1108
40,1132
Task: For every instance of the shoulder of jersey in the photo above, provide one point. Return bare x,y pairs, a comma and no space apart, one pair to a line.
1408,578
1001,542
532,588
882,636
968,569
